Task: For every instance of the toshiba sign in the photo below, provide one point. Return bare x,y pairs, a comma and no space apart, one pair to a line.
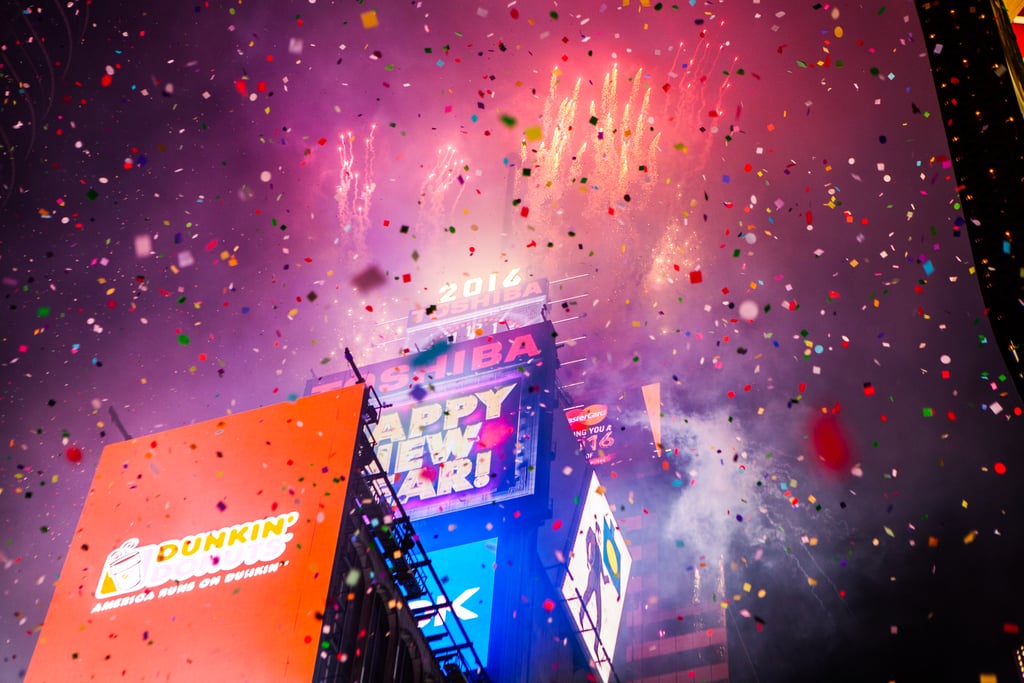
461,422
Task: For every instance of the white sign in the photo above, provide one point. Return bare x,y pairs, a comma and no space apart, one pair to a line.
595,584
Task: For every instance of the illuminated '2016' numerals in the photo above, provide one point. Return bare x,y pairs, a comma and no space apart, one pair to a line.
476,286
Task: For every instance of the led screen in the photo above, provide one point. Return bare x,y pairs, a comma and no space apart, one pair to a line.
595,584
206,550
460,424
467,574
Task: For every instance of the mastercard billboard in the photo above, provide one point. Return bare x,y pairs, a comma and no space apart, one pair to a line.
205,552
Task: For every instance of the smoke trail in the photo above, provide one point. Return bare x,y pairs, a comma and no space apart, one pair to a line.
446,172
605,152
355,189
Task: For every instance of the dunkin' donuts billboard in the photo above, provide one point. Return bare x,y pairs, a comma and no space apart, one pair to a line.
206,551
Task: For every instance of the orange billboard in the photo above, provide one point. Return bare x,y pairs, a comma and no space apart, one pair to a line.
205,552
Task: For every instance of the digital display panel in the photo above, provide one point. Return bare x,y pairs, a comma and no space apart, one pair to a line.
467,574
486,304
464,444
607,432
206,550
460,424
595,583
594,431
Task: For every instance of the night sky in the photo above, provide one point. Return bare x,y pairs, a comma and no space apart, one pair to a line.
203,204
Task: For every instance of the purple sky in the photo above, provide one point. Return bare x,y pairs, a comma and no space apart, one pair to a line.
182,238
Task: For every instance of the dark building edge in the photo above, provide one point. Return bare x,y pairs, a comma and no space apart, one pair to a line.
978,74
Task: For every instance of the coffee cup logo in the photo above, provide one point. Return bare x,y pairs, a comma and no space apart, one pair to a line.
122,572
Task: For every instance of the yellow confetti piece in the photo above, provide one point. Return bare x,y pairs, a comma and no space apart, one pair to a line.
369,19
969,538
761,593
812,582
963,503
533,133
747,587
888,532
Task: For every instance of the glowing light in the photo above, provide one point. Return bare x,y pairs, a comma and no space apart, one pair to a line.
355,189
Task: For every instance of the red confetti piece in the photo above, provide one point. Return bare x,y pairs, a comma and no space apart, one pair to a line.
73,453
549,605
830,443
1000,468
